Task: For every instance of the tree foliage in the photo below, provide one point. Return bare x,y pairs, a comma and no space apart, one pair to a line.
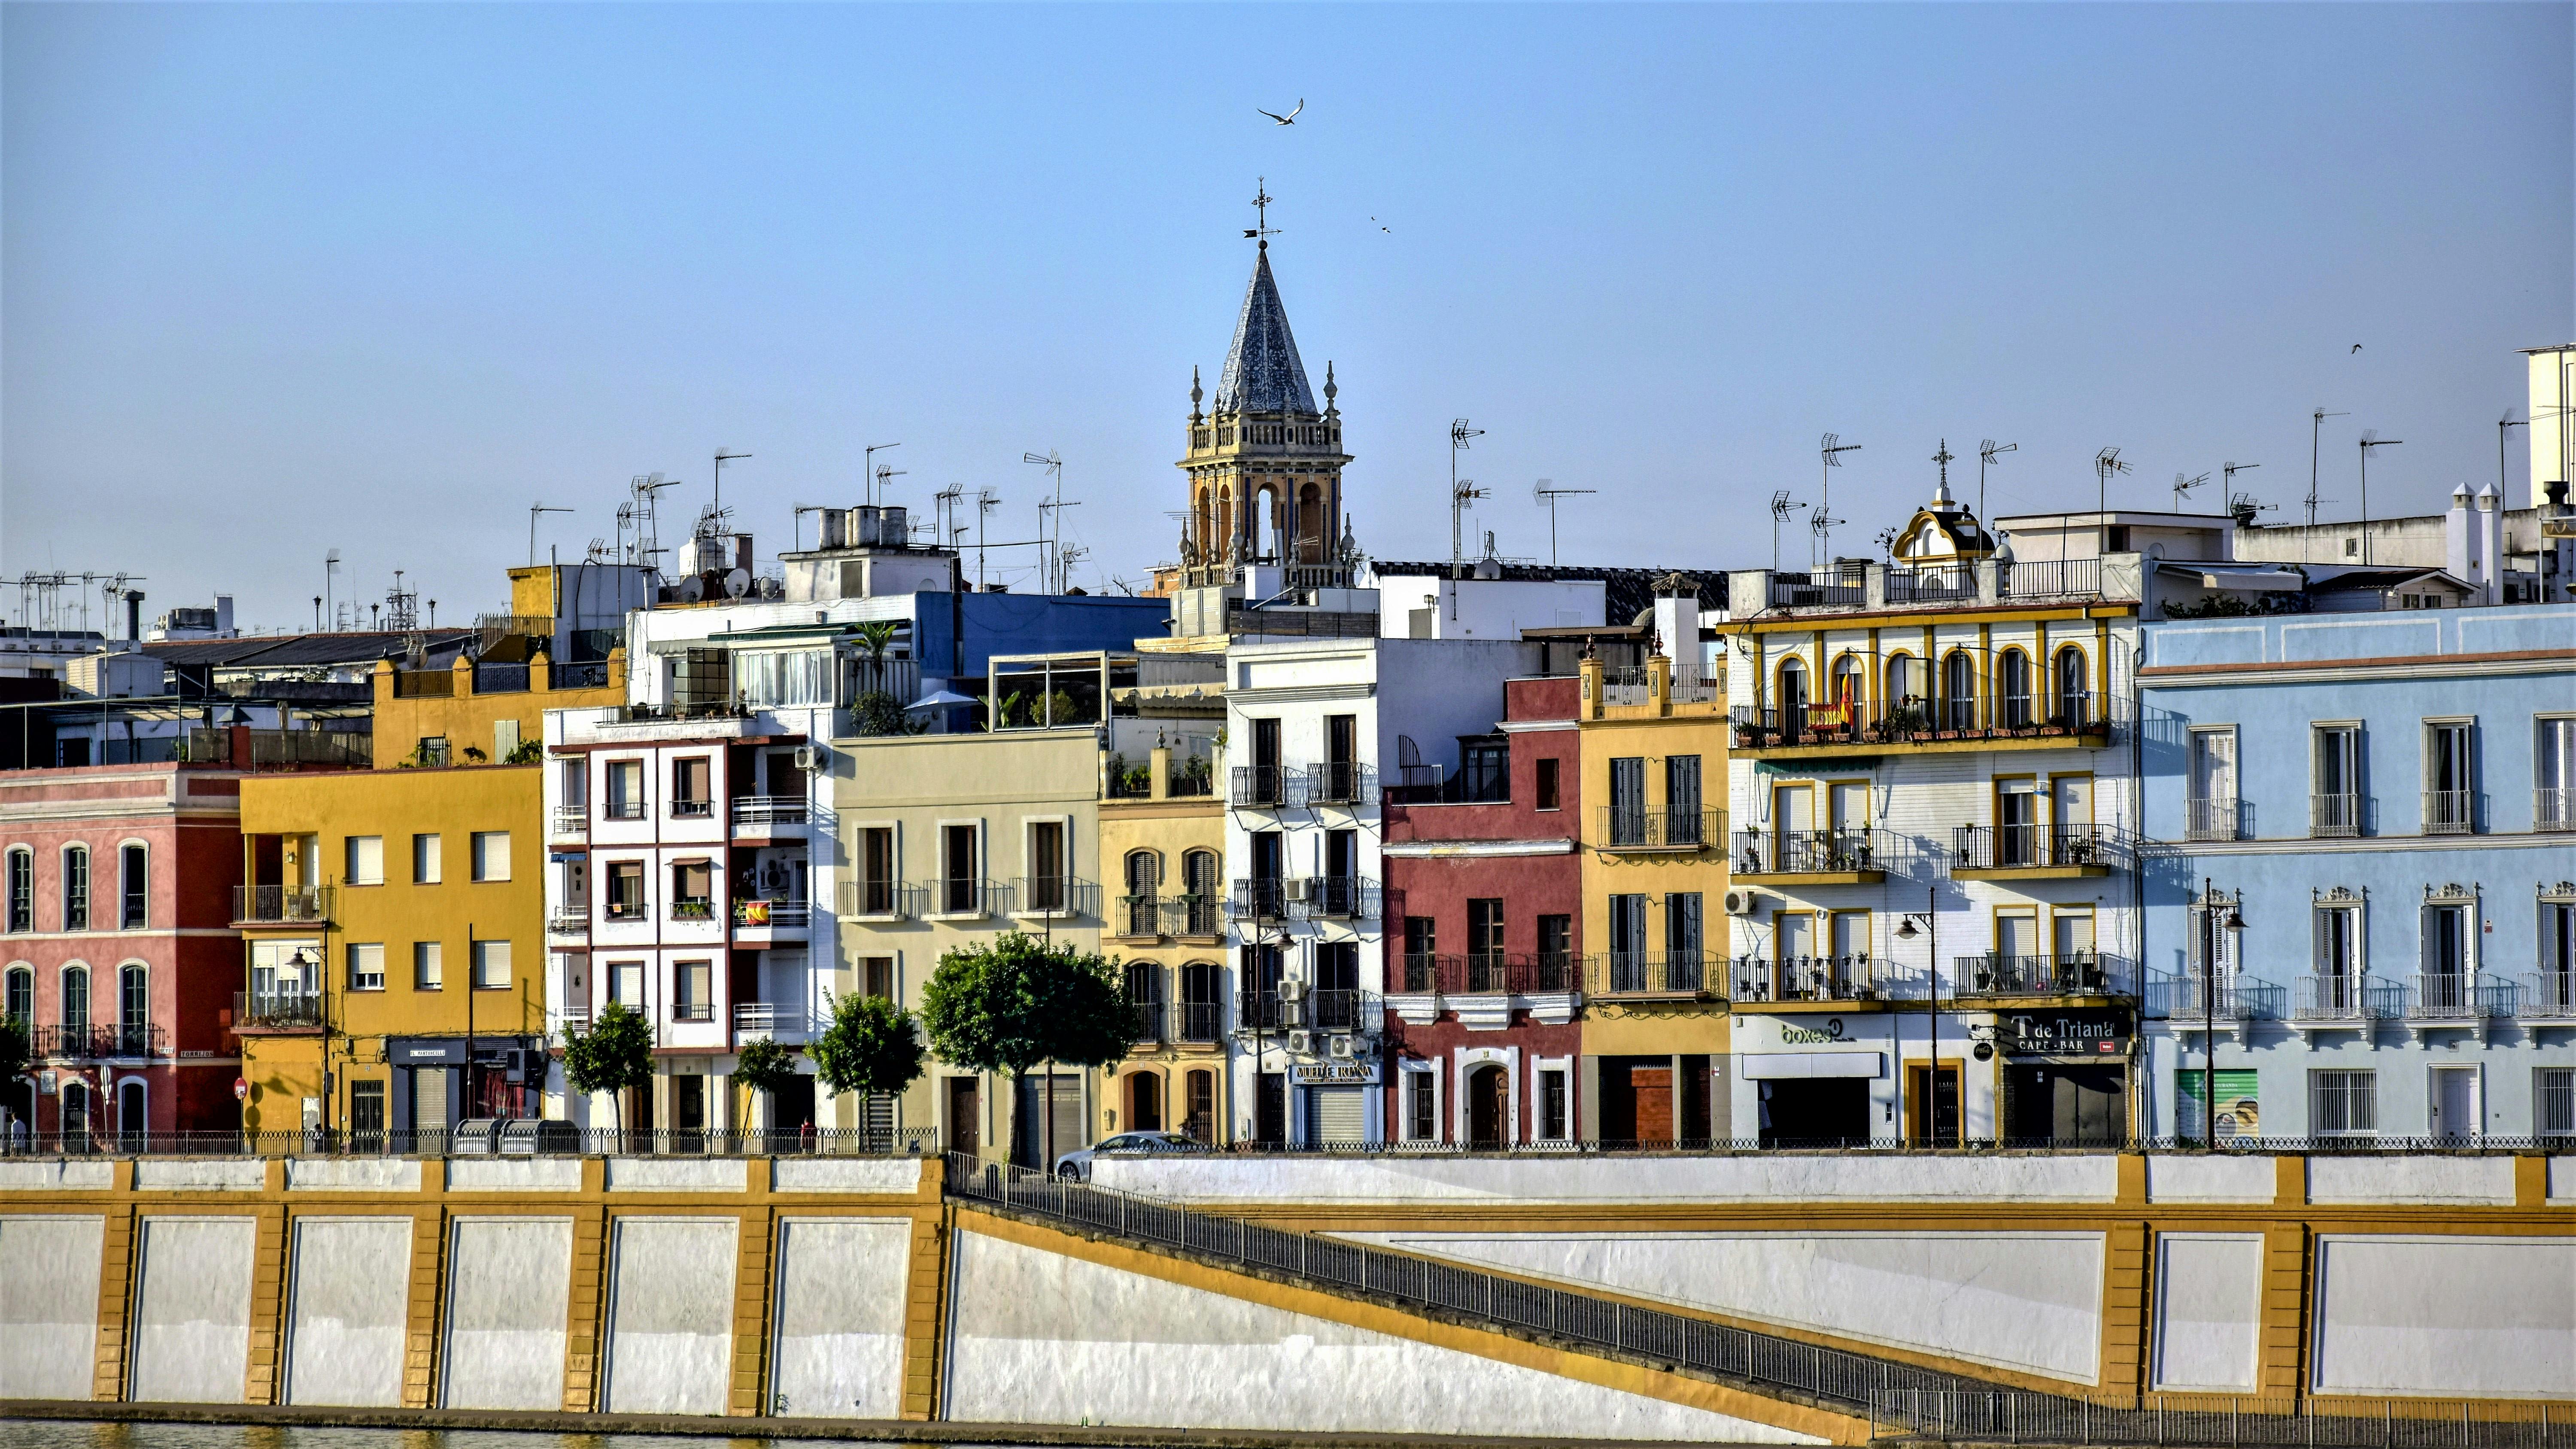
15,1052
872,1046
614,1054
764,1066
1011,1005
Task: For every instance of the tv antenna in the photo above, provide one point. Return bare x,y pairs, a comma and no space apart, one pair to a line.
330,605
1261,230
872,479
2316,427
1056,507
1055,469
986,500
2370,439
723,456
1546,492
1821,520
942,504
1989,453
646,489
2504,425
2105,463
2183,486
1463,492
1781,508
533,511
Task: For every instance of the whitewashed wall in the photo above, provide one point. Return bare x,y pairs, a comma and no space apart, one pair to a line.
192,1311
670,1315
2446,1316
347,1318
1594,1179
508,1297
2209,1312
841,1294
49,1269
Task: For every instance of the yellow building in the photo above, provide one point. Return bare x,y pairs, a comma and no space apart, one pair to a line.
1653,751
1162,839
393,918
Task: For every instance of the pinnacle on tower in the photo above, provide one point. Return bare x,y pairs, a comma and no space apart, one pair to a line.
1262,373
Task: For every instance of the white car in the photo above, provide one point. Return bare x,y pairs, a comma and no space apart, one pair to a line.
1075,1166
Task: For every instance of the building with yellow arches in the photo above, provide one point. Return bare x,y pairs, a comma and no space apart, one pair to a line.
393,919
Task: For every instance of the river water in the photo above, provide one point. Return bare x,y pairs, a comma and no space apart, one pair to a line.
45,1434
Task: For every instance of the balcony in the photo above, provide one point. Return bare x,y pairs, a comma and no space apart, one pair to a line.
1056,897
2211,817
279,905
764,817
692,1012
2450,812
568,921
1922,726
1145,918
73,1042
296,1010
1259,899
2344,1000
1197,1023
1297,1008
2472,1000
1790,979
2051,579
2082,974
1821,589
2553,807
882,900
693,908
758,1018
759,921
964,898
1339,783
2229,1006
2334,816
1812,857
1332,897
2028,852
1491,973
570,822
1642,830
693,810
1261,787
2547,996
1648,975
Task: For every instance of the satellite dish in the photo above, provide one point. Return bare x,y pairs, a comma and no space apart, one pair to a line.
737,583
692,589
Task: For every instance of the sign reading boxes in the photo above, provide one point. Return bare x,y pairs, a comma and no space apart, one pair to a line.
2065,1033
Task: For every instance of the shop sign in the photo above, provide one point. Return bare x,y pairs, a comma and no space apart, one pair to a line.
2066,1033
1807,1032
427,1053
1315,1074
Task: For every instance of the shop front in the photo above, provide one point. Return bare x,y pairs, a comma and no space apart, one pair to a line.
1333,1100
436,1082
2065,1075
1814,1079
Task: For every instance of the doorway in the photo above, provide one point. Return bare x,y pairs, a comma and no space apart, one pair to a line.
1932,1105
1637,1099
1270,1110
1144,1102
2455,1102
1489,1106
791,1108
688,1110
1200,1124
131,1123
1815,1111
1060,1129
2066,1104
965,1116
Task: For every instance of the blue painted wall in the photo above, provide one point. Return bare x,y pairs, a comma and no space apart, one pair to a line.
957,634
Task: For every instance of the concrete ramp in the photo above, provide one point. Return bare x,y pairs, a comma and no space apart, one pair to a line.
1052,1327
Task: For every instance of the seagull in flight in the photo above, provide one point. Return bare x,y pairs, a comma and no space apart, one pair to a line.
2356,347
1289,119
1382,227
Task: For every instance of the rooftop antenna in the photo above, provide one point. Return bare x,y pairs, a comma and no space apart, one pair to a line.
2370,439
1045,507
1463,493
2240,506
2316,427
2105,463
869,477
1781,508
1546,491
1832,447
1988,454
1055,468
2502,425
533,511
647,490
942,504
724,455
2183,486
986,500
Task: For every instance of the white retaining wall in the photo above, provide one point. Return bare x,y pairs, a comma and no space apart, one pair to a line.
2209,1312
670,1315
509,1294
49,1269
2446,1316
1592,1178
192,1310
348,1318
1039,1338
839,1337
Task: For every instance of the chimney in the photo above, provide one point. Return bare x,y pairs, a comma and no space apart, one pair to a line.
223,616
2491,543
2460,538
134,615
1677,621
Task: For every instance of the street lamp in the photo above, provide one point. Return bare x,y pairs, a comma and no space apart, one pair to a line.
1930,917
2233,922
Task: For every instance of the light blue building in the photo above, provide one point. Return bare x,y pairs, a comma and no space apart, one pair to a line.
2360,832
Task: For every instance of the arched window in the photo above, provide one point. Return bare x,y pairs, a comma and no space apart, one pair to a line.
1848,687
1145,999
73,1118
133,1010
133,1120
1199,879
1144,891
135,888
22,889
1904,682
2012,690
2074,688
75,1012
18,996
1793,692
1959,691
76,888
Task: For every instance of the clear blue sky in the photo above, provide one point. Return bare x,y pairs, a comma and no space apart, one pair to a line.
279,279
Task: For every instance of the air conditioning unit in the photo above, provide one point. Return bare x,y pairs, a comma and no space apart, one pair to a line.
809,757
1294,889
1742,903
1292,990
1343,1047
1300,1043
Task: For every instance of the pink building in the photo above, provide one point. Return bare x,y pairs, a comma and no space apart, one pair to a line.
117,953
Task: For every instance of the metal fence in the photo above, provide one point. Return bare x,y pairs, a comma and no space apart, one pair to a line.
2013,1417
493,1137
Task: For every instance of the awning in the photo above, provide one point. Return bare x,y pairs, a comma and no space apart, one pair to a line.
1792,1066
2248,578
940,699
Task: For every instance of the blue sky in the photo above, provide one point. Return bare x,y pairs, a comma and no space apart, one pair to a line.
280,279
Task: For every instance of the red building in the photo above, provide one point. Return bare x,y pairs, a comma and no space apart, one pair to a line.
1482,1036
117,953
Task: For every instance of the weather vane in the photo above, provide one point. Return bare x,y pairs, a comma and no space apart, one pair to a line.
1261,228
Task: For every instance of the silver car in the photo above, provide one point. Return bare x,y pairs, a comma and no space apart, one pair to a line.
1075,1166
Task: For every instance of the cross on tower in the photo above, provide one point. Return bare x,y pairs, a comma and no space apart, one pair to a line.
1943,458
1261,229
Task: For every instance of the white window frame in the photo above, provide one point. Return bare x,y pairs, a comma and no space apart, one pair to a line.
2318,729
2553,1087
2317,1079
352,853
428,965
1539,1068
429,865
480,954
1413,1075
366,965
2193,800
479,849
2543,724
122,847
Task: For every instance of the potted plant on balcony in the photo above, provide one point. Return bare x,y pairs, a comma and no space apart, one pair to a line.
694,908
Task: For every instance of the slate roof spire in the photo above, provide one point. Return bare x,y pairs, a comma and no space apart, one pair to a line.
1262,373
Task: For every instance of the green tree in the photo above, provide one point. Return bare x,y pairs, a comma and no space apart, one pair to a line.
1020,1003
765,1067
614,1054
873,1047
15,1052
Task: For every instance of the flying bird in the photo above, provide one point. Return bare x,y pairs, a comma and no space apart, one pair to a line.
1289,119
1382,227
2356,347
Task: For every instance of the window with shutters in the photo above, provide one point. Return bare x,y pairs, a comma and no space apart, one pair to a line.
76,888
2334,792
428,969
426,865
366,966
491,965
366,860
22,890
491,855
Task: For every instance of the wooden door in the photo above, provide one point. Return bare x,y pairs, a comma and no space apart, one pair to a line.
965,1116
1652,1088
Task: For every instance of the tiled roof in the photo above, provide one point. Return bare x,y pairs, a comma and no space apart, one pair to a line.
1262,373
291,650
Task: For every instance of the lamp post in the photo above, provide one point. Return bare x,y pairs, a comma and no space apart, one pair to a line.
2234,922
1930,917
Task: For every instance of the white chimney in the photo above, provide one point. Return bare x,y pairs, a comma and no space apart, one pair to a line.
1677,624
2491,543
2459,538
223,616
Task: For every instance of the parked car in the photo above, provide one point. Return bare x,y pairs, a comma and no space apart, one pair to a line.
1075,1166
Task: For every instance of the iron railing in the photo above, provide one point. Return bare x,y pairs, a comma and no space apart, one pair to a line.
760,814
1804,978
1937,584
1261,787
1994,1415
1260,898
2187,999
1878,722
965,896
93,1042
2210,817
572,822
491,1137
1197,1022
2083,973
2553,807
1335,898
2450,812
2050,578
1339,782
500,678
287,1009
2029,847
2549,994
1651,973
1056,895
883,900
1491,973
778,915
1637,828
1159,915
568,921
1821,589
2459,996
280,904
1316,1009
2334,815
2347,998
1811,852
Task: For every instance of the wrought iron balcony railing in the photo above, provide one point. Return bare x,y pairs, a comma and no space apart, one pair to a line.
2084,973
762,814
882,900
1261,787
274,1009
2210,817
965,896
2347,998
2334,815
2459,996
1056,895
1811,852
282,904
1624,828
1652,973
1803,978
2029,847
2450,812
2547,994
2186,998
2553,807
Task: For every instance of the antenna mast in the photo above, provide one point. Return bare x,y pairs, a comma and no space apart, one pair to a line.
1546,491
1463,493
1781,508
2370,439
1822,520
1987,456
2183,486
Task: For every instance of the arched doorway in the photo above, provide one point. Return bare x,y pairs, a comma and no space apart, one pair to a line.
1489,1106
1144,1102
132,1122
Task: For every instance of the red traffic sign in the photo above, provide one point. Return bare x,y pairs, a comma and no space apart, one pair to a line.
241,1088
